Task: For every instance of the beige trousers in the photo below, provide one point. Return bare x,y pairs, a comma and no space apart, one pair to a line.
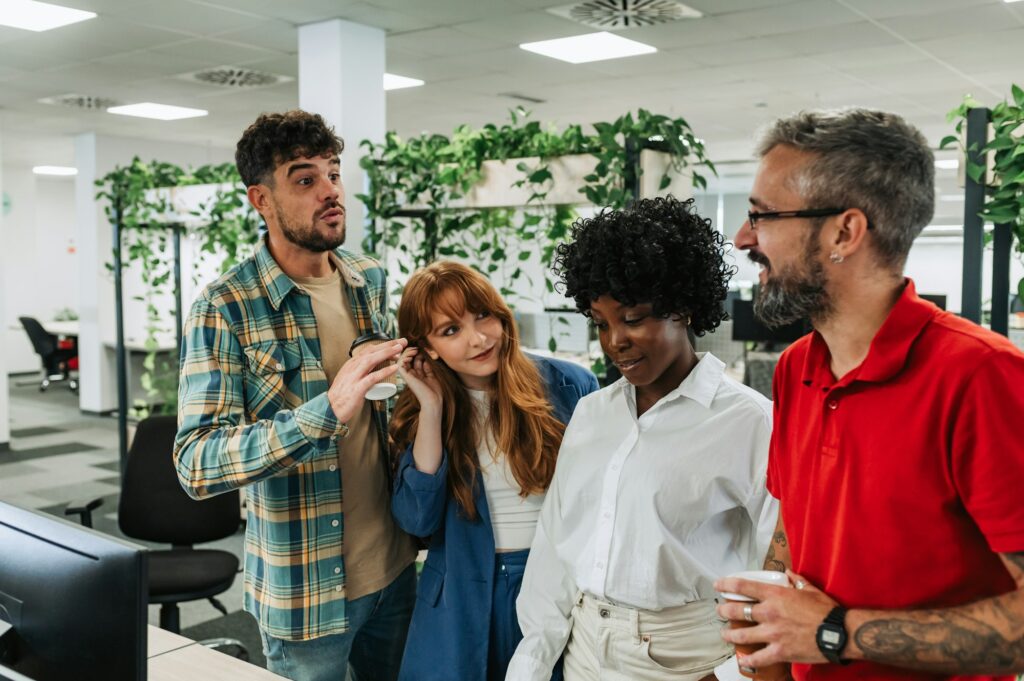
612,643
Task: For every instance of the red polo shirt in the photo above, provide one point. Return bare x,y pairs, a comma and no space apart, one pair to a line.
902,482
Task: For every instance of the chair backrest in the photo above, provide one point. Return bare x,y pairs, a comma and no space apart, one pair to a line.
43,342
154,507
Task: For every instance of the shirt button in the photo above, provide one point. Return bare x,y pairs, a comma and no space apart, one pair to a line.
605,613
599,566
615,467
332,468
338,588
334,438
833,404
334,523
337,570
280,367
607,514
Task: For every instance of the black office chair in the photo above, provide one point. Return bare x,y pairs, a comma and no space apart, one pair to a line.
55,359
153,507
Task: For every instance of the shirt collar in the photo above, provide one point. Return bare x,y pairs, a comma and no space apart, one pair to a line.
701,385
887,354
278,284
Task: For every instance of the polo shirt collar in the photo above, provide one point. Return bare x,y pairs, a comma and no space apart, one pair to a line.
889,349
278,284
701,385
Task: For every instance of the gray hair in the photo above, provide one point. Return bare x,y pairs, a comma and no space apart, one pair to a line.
871,160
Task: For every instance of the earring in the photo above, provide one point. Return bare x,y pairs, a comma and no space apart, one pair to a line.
835,257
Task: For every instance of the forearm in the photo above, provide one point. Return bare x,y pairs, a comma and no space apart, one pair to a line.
215,454
426,449
985,637
778,558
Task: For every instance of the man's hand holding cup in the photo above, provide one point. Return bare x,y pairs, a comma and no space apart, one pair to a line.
772,624
376,364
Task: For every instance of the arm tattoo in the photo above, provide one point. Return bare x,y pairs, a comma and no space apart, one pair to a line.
770,561
1016,558
985,637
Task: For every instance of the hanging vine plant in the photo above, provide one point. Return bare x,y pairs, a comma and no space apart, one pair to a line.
230,228
434,173
1004,193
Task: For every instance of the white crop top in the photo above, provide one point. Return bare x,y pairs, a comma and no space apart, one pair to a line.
513,518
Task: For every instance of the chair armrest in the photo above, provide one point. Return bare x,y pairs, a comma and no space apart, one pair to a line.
83,509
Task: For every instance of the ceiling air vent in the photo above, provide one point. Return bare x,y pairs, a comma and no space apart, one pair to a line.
613,14
77,101
235,78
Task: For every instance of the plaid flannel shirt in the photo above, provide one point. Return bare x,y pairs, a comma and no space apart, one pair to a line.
253,412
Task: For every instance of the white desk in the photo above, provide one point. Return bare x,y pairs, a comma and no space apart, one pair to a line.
175,658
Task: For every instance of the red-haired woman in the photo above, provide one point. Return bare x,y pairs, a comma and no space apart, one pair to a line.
477,431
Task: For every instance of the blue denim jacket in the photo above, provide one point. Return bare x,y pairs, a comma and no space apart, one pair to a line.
448,637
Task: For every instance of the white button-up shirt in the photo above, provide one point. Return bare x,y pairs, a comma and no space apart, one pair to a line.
647,512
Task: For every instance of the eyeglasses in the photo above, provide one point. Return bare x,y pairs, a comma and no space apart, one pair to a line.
753,216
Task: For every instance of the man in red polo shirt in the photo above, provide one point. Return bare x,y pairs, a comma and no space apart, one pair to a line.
897,453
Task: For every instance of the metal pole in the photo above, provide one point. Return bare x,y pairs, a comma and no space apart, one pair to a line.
632,170
974,226
177,285
1002,241
122,362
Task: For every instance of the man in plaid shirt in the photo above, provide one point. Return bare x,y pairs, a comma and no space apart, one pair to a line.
270,401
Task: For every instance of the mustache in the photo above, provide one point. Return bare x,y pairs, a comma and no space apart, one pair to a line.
758,258
334,205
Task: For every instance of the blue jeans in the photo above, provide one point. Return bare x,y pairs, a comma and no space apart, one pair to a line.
505,633
371,650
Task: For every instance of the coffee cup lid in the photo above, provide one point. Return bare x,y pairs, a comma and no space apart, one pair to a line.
366,337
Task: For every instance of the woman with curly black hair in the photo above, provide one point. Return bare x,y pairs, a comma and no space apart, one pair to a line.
660,483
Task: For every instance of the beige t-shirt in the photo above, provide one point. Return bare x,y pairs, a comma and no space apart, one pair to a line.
376,550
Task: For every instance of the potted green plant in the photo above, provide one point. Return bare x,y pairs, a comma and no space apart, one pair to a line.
1004,192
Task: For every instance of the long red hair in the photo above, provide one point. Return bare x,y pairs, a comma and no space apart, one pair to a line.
520,415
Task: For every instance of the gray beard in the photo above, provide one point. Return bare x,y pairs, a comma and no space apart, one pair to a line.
788,298
307,238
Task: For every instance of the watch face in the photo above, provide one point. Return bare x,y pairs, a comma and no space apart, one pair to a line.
830,637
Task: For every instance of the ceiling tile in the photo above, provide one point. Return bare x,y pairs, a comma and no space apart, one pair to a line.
803,15
952,23
270,34
436,42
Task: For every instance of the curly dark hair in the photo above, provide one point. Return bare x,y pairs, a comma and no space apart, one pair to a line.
656,251
276,138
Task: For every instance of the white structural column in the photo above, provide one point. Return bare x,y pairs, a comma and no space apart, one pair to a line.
341,77
97,374
5,403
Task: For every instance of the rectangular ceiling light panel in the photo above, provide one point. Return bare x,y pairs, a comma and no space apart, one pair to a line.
161,112
581,49
59,171
39,16
393,82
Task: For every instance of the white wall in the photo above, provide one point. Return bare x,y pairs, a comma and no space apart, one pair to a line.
43,278
936,266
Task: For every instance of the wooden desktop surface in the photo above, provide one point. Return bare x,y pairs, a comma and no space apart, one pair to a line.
176,658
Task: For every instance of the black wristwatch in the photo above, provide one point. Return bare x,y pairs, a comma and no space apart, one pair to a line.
831,636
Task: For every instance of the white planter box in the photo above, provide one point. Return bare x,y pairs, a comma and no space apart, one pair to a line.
184,200
496,188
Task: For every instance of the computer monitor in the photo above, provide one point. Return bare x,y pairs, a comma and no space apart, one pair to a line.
937,298
73,601
746,326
